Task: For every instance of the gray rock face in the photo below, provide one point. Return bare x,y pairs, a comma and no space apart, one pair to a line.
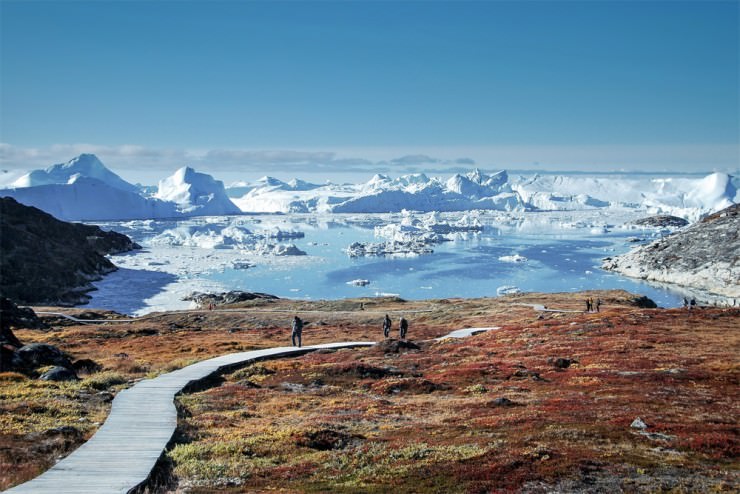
704,256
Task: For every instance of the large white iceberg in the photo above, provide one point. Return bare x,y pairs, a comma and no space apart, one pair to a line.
196,193
90,199
84,165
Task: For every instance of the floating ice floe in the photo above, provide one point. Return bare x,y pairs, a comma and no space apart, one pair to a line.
429,228
393,248
214,236
266,249
413,235
513,258
241,265
279,234
359,282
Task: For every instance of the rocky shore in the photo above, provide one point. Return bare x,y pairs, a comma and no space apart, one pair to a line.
704,257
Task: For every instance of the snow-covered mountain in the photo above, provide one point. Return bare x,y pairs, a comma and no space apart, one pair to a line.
84,165
196,193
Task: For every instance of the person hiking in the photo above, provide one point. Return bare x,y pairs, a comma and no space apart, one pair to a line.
598,305
297,328
386,326
403,326
588,305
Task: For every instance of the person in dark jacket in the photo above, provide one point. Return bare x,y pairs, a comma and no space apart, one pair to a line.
297,328
386,326
403,325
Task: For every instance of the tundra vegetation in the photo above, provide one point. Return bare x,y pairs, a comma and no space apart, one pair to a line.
547,402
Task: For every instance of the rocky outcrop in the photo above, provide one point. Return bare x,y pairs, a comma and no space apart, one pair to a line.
48,261
705,256
662,220
226,298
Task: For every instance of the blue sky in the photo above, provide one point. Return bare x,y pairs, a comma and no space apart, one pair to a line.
240,89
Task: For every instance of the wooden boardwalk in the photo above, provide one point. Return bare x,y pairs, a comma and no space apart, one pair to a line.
123,452
466,332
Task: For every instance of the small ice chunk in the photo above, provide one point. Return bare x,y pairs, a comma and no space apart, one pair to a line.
507,290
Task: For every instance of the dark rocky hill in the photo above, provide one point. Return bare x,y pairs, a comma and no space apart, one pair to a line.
703,256
47,261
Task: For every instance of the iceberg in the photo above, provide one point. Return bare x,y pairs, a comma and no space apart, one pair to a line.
196,193
89,199
691,198
84,165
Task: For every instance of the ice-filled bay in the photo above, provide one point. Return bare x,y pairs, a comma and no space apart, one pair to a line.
265,253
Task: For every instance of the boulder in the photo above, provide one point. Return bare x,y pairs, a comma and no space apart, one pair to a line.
37,355
59,374
561,363
86,365
396,346
638,424
502,402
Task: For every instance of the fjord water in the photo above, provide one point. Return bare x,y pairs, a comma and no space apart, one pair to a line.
467,267
563,254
